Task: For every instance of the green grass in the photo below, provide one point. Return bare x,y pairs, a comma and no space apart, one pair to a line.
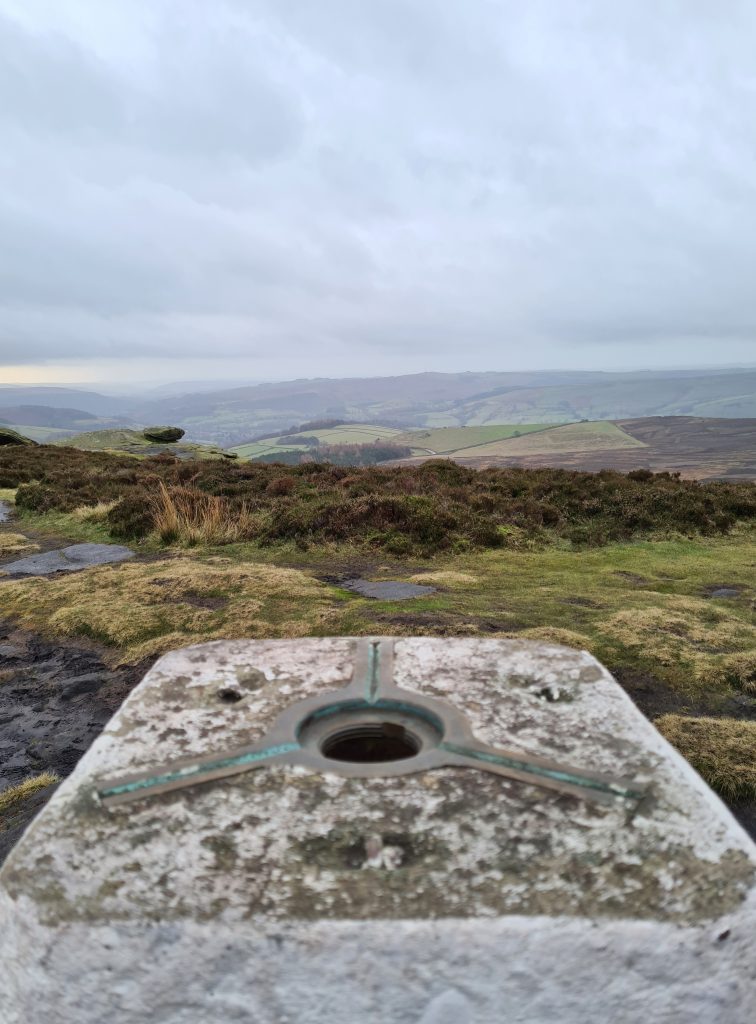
45,435
141,609
443,440
577,437
348,433
254,449
641,605
638,606
352,433
101,440
66,526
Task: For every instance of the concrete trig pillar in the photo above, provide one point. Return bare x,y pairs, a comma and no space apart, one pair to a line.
418,831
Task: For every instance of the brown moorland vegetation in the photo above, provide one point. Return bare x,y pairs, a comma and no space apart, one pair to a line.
720,749
404,510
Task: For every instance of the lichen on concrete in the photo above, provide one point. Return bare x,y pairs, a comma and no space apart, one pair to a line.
507,847
281,850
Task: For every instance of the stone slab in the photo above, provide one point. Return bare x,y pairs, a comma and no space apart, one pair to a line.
70,559
260,898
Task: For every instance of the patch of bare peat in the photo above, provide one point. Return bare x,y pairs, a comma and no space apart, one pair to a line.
55,699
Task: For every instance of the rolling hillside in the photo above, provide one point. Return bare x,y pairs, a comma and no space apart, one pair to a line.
572,437
48,423
427,400
440,440
347,433
421,401
696,447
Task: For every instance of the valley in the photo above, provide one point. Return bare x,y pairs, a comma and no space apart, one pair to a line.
695,447
228,417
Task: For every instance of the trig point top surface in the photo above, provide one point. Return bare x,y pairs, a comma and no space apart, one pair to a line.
420,791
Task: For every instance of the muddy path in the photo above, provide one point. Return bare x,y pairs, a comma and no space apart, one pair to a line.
55,696
55,699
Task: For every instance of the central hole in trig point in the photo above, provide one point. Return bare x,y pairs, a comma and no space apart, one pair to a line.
371,743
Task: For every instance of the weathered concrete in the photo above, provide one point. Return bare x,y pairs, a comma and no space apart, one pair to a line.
281,895
387,590
70,559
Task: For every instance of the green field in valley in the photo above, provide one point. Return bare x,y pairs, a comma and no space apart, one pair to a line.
347,433
569,437
443,440
255,449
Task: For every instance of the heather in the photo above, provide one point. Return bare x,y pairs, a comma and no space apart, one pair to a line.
421,510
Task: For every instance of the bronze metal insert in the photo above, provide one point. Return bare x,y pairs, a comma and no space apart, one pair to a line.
371,729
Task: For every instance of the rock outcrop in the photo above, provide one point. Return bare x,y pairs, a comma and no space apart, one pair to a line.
8,436
163,435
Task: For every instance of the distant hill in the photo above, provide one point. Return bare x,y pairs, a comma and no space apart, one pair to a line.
44,415
63,398
236,416
697,447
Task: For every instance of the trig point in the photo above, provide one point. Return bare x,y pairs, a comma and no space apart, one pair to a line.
397,831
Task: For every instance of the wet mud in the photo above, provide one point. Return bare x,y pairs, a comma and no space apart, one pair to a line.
55,699
387,590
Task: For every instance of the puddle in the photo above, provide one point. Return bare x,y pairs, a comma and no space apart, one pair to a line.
723,590
5,511
387,590
70,559
631,577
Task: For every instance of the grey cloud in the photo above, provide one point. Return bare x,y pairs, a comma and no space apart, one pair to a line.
204,96
480,184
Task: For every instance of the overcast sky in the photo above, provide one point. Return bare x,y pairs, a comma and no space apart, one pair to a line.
284,188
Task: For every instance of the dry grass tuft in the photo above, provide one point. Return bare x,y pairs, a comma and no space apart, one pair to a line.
10,797
556,635
687,632
16,544
738,670
741,670
722,750
93,513
186,516
145,609
445,577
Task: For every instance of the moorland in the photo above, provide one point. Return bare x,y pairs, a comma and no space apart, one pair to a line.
652,573
696,447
